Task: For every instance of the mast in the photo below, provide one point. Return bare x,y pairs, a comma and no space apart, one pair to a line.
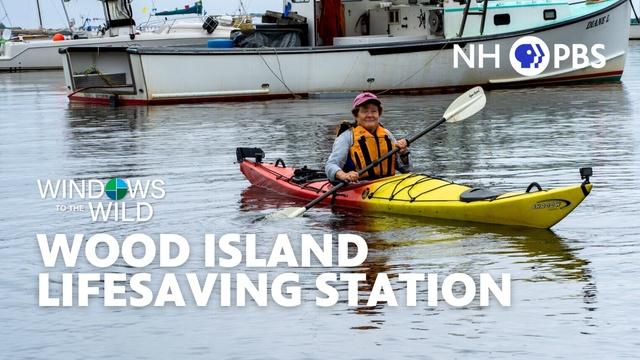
66,14
6,15
39,15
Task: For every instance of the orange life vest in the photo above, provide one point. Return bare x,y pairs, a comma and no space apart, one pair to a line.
367,148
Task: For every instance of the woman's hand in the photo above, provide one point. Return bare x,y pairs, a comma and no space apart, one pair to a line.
403,146
351,176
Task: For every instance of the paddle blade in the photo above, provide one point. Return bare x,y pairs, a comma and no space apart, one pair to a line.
466,105
287,213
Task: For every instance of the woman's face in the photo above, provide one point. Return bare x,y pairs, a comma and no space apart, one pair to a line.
368,116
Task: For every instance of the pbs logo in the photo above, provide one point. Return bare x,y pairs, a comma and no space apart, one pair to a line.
529,56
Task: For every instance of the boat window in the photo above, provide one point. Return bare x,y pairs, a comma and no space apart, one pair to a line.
549,14
501,19
394,16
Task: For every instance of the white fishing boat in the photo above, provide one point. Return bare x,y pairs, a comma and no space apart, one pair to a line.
391,47
119,31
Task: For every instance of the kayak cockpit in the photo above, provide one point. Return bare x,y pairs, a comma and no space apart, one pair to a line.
477,194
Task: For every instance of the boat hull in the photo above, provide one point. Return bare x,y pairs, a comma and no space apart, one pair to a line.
423,196
192,75
44,54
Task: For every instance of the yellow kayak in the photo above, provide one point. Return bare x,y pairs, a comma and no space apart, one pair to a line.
421,195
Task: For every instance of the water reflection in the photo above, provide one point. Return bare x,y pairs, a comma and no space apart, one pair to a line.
543,252
107,120
111,138
541,248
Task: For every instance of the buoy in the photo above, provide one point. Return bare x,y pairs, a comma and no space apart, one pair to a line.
58,37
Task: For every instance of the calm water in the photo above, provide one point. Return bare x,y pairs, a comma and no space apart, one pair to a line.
574,291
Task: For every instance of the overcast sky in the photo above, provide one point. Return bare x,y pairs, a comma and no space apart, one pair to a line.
24,13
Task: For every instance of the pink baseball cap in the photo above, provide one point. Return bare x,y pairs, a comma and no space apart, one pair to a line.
363,98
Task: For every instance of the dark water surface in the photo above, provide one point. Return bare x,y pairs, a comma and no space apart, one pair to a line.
574,290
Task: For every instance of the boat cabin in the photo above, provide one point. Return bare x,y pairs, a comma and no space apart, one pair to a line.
352,22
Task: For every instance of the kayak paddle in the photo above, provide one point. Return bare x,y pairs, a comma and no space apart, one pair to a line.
463,107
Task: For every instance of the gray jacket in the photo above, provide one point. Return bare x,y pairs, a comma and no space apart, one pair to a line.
340,153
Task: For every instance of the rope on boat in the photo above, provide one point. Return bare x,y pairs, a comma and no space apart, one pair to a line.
419,70
6,15
96,87
281,77
397,189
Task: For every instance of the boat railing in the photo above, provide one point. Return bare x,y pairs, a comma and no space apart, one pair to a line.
467,12
167,25
162,24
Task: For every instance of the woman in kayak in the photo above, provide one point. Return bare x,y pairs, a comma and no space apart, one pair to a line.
363,142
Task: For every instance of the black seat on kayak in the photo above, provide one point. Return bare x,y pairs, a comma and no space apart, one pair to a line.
477,194
305,175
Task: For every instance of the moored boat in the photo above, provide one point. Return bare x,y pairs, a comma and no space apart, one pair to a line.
19,54
584,41
421,195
